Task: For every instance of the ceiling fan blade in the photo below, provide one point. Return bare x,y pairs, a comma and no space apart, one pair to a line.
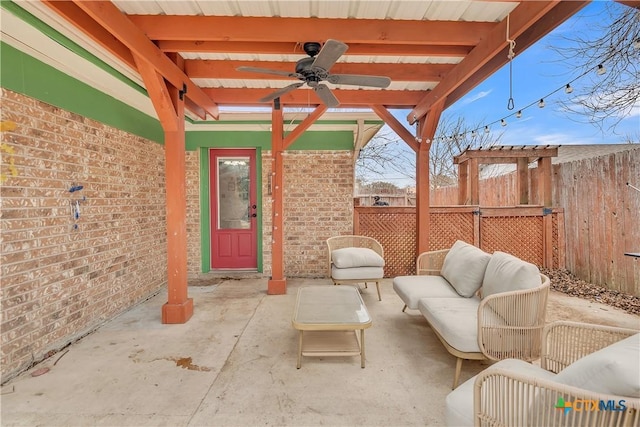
329,54
268,71
280,92
359,80
325,94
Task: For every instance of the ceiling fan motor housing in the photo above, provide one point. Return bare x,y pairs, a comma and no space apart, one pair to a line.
311,76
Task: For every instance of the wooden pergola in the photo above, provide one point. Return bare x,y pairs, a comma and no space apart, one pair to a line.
187,56
469,163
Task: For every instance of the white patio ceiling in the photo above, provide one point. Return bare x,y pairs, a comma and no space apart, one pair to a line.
430,49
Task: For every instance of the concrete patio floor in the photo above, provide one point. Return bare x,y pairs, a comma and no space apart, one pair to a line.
234,363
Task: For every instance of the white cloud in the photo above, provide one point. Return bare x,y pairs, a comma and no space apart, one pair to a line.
473,98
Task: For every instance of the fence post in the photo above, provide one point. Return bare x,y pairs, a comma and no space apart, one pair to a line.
476,227
547,238
561,242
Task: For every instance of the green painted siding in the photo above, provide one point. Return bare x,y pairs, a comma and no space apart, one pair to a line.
24,74
310,140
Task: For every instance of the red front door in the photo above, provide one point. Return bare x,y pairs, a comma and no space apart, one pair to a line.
233,209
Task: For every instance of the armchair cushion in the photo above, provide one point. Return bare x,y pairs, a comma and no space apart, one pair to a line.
356,257
612,370
508,273
357,273
464,267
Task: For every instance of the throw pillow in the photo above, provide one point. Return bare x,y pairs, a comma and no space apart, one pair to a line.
508,273
464,268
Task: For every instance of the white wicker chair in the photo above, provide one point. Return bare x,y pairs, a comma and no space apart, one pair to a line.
506,397
352,241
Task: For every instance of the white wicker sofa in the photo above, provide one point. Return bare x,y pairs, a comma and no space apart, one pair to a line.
589,375
481,306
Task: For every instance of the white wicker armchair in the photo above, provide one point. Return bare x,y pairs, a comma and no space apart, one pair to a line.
357,274
513,396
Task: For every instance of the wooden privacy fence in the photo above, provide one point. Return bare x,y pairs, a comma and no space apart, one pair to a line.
532,233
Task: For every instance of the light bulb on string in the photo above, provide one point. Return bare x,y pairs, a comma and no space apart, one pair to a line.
568,88
519,114
486,129
503,122
541,103
601,69
636,44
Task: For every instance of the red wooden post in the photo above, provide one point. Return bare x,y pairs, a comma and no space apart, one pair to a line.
278,283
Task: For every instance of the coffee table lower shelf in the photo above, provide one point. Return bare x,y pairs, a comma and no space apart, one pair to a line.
329,343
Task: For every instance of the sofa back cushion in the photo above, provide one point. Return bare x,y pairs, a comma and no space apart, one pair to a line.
356,257
464,268
508,273
612,370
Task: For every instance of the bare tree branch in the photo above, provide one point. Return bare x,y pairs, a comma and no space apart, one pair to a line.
613,43
386,154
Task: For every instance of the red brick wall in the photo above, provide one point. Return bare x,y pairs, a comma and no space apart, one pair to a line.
318,200
192,166
58,282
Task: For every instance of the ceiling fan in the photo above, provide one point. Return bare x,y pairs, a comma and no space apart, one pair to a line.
315,69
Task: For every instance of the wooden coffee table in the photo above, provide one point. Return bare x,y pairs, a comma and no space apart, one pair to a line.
328,318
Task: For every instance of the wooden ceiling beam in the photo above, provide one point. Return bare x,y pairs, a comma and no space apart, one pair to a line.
85,23
563,11
306,97
295,48
525,15
400,72
396,126
277,29
115,22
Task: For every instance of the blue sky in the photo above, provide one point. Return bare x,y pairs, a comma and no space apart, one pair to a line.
537,72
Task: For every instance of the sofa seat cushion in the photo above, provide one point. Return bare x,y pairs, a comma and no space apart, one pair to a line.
464,267
411,289
506,272
455,319
459,403
612,370
357,273
356,257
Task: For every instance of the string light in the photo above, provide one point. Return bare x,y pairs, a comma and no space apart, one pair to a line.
599,69
636,44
